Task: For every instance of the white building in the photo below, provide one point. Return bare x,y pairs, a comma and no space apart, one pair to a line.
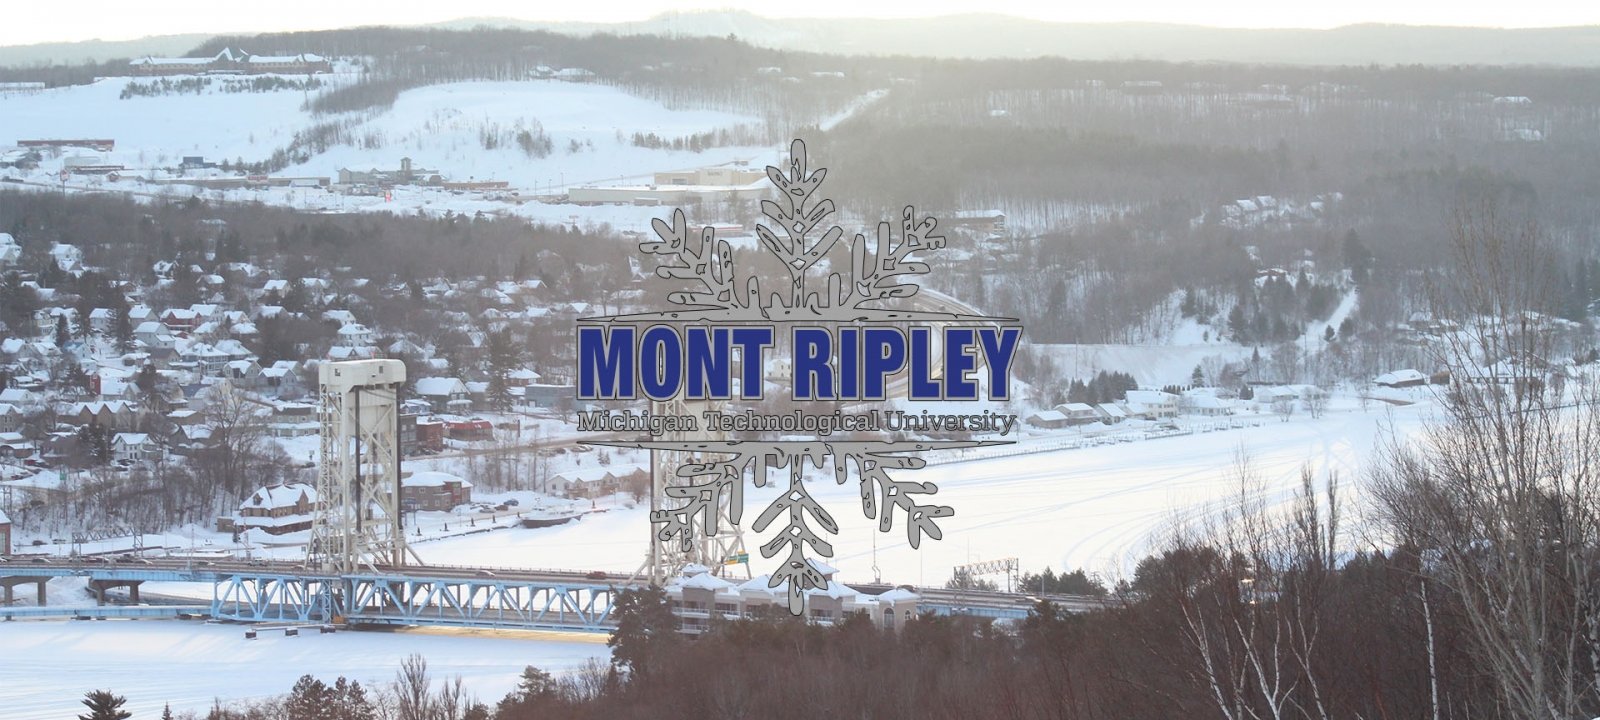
135,447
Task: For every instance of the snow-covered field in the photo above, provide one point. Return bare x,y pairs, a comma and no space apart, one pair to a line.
1098,508
50,664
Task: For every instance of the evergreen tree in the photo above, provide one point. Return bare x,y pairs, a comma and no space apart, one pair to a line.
104,705
122,325
645,627
18,303
502,354
308,700
63,334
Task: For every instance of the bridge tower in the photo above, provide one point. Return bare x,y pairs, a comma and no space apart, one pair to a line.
717,552
358,523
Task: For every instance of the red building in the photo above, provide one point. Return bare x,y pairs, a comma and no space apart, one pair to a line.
473,429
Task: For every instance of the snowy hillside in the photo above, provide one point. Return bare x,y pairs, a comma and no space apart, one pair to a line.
440,127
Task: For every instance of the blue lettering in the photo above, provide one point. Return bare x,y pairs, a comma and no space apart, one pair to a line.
605,369
660,362
752,342
885,356
813,379
710,374
921,377
957,363
999,349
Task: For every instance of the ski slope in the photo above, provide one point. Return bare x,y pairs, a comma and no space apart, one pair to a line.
439,126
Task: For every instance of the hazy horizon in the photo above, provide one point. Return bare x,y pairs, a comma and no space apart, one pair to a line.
97,21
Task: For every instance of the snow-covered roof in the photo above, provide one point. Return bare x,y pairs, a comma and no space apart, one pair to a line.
440,386
1399,376
757,584
432,478
835,589
1151,397
276,496
130,439
705,581
898,595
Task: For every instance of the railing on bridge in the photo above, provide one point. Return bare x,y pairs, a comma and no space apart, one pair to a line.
452,596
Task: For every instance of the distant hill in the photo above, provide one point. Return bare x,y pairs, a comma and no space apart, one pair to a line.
999,36
97,50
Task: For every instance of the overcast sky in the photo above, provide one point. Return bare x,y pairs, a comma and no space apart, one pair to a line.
32,21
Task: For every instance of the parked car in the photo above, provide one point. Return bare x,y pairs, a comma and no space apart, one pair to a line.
513,502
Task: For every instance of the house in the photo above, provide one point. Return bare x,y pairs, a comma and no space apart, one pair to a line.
69,258
545,396
243,373
207,359
521,377
593,482
443,393
293,420
468,429
135,447
118,415
180,319
154,335
281,378
278,509
1078,413
1110,414
1274,393
10,251
1153,404
1401,379
102,320
434,491
339,353
20,397
5,536
14,445
10,418
1048,419
1207,405
355,335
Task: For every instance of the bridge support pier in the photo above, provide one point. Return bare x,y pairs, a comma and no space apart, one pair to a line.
99,588
8,584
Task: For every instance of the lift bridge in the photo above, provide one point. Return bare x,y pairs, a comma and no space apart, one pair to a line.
358,567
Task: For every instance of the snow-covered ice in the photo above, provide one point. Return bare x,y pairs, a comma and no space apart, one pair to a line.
50,664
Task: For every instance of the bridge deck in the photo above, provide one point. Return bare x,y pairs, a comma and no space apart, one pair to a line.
259,591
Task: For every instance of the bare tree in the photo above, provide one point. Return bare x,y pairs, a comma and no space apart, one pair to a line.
1502,491
1251,611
